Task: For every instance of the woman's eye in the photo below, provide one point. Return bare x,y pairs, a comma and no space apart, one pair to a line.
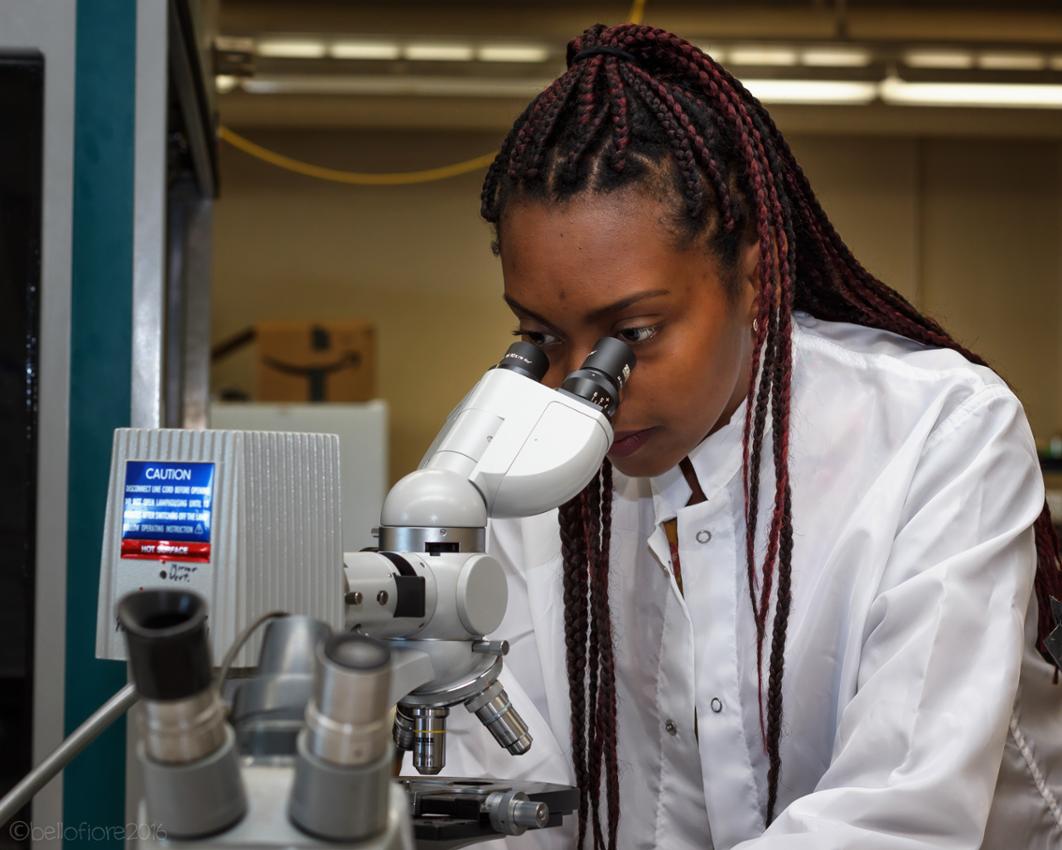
637,335
539,338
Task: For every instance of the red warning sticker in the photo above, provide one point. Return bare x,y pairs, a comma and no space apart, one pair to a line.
154,550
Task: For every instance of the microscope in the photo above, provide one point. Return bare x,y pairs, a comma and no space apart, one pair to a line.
512,448
299,753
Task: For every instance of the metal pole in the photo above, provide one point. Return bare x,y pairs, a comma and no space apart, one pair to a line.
80,738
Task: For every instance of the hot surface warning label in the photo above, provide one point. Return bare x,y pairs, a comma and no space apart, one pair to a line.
168,510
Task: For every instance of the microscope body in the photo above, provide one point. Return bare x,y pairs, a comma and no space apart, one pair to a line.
303,757
513,447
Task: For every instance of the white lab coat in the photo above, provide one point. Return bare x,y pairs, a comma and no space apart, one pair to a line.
917,714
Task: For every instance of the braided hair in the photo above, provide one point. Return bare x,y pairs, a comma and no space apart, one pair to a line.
638,104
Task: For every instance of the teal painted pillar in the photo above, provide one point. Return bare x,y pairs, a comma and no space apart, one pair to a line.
101,333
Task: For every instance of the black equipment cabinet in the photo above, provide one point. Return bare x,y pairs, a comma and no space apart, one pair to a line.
21,177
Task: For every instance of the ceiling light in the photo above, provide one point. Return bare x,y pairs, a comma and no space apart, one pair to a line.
1011,61
439,52
364,49
512,53
938,59
290,48
812,91
223,83
763,56
716,51
835,57
1033,96
394,85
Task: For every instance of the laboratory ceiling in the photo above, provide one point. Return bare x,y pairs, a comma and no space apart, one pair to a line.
336,63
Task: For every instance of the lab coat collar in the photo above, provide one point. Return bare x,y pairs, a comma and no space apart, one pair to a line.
716,459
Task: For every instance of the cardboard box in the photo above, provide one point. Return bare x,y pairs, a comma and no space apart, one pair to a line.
316,361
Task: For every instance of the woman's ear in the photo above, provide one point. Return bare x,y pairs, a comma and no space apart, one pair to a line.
749,279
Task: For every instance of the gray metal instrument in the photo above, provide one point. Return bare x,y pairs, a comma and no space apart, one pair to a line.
299,753
513,447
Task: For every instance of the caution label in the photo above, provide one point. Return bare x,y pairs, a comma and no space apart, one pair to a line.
168,510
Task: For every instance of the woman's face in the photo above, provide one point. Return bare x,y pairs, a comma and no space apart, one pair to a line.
606,265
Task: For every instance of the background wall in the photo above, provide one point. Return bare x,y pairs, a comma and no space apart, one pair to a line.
416,260
967,229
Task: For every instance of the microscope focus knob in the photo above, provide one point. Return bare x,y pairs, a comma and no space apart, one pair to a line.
512,813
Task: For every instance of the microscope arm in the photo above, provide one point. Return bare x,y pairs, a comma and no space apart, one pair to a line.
410,668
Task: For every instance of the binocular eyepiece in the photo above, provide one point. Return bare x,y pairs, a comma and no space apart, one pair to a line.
599,381
187,752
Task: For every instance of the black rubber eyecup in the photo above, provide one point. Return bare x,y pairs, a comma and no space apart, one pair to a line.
166,637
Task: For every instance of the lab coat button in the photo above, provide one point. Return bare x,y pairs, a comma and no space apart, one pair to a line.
671,728
717,705
704,536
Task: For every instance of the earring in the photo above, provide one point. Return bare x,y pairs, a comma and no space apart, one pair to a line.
755,326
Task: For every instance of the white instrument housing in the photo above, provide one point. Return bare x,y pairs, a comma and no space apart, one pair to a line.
526,449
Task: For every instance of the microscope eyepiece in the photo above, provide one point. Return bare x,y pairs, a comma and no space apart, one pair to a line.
348,718
603,374
165,632
526,359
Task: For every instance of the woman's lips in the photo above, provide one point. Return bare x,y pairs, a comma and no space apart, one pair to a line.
627,443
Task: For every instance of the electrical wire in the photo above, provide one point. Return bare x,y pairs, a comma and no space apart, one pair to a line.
368,178
354,178
241,639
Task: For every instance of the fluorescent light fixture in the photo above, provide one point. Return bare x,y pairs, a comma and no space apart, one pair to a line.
835,57
812,91
363,49
938,59
395,85
1032,96
224,83
512,53
779,56
1011,61
439,52
290,48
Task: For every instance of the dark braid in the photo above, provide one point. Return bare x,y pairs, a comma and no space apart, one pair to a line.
586,524
591,522
607,702
573,550
672,118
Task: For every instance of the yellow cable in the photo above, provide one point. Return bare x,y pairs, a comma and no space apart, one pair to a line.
362,178
353,178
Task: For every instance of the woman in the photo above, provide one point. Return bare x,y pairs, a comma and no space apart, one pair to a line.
796,608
